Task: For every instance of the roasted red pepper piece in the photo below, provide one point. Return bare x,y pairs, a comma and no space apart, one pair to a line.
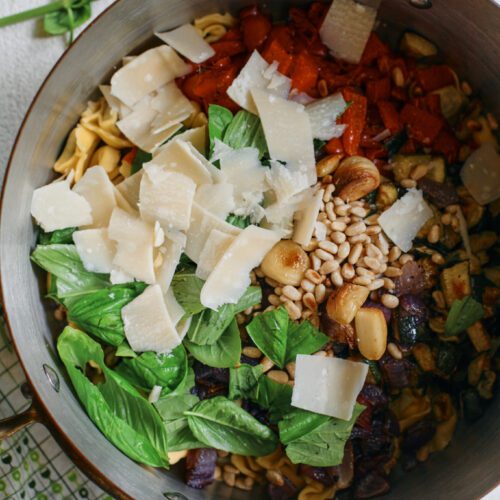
275,52
447,144
334,146
303,27
305,73
354,117
435,77
390,116
420,124
316,13
251,10
227,48
378,90
374,49
129,157
430,102
255,31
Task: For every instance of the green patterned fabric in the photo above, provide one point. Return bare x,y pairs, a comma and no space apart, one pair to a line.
32,465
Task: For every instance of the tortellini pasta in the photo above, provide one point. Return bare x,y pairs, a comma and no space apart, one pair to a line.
214,26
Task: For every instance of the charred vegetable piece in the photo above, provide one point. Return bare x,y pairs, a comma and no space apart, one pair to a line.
424,356
447,358
455,282
412,281
418,434
439,193
200,467
371,485
479,337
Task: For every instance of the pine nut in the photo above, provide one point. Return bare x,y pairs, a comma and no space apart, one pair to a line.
293,311
309,301
322,216
321,354
438,259
342,210
306,314
372,263
376,284
338,226
327,195
390,301
405,258
338,237
337,279
327,179
382,268
290,368
320,293
278,376
434,234
371,230
291,292
466,88
362,280
358,211
359,238
313,276
356,228
419,171
438,297
347,271
244,483
274,300
373,251
337,201
252,352
345,219
372,219
330,213
398,77
259,273
307,285
361,271
355,253
315,262
275,477
312,245
389,284
408,183
322,88
231,468
394,350
393,272
328,246
278,290
272,282
344,250
328,267
266,363
394,254
217,473
229,478
382,244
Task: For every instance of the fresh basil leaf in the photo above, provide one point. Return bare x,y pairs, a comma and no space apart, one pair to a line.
269,333
242,380
251,297
324,446
100,312
239,221
219,119
173,407
119,411
63,262
303,338
150,369
224,353
298,423
140,158
222,424
60,236
463,313
125,351
67,19
180,436
185,264
245,130
187,288
319,144
206,327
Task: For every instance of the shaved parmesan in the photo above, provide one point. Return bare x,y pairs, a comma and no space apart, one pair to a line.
285,181
95,249
404,219
114,103
288,132
146,73
130,187
216,198
155,393
175,310
55,206
307,218
134,250
481,174
172,251
147,323
187,41
197,137
216,245
256,74
328,386
118,277
180,156
323,114
172,107
231,276
346,29
166,197
202,223
99,191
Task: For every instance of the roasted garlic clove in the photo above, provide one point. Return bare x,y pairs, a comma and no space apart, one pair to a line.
344,303
286,263
371,332
355,177
327,165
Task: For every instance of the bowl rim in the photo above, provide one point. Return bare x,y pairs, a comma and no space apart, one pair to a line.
46,417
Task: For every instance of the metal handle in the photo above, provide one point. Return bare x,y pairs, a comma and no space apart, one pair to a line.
11,425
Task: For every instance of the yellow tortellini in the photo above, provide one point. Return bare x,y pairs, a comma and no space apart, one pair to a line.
317,491
214,26
108,158
100,119
410,408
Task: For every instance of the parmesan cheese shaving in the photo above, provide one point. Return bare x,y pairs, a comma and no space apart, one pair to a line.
231,276
216,198
216,245
172,107
95,249
323,115
307,217
130,187
187,41
197,137
172,251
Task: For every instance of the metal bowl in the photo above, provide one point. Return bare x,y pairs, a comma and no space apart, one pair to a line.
467,31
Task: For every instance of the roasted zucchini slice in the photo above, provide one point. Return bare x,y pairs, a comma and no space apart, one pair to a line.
417,46
479,337
455,282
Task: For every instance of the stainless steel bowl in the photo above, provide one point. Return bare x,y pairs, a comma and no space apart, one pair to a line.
468,32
